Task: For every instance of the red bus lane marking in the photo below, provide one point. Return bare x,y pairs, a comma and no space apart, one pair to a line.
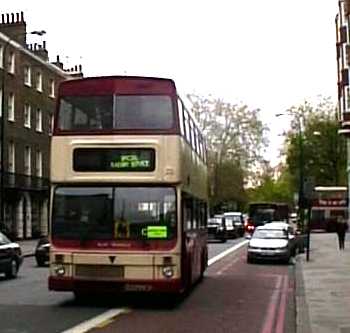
282,306
271,310
226,267
237,259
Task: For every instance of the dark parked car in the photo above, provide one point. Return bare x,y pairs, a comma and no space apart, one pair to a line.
217,229
42,251
10,257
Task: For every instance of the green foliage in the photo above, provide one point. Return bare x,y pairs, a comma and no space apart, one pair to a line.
271,190
317,146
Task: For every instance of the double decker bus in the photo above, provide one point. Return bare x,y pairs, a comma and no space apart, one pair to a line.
129,188
329,204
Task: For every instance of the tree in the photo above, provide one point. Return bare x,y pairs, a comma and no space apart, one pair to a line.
324,150
271,189
236,138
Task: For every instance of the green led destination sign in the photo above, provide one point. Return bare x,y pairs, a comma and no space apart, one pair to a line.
113,159
130,162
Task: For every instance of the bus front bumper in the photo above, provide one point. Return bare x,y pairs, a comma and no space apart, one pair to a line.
70,284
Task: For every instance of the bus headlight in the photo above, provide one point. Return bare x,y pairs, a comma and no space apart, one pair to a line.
168,272
60,270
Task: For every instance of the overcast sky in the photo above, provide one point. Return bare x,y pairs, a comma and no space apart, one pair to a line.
268,54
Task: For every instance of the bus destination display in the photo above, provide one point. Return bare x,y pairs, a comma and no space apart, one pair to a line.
113,159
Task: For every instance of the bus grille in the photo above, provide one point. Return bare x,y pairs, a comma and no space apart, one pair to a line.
99,272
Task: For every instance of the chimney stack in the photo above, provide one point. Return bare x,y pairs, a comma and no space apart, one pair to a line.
14,26
58,63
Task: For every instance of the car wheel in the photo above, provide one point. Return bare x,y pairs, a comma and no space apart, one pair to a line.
12,270
249,260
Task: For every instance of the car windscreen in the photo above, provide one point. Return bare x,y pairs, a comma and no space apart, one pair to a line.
3,239
113,112
234,218
270,234
107,213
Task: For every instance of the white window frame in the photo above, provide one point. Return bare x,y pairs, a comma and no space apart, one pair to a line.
11,63
1,56
51,125
27,75
39,120
347,98
27,115
38,164
39,81
52,88
1,103
27,160
11,107
12,157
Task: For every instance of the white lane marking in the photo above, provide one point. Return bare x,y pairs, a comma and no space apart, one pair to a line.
226,252
98,320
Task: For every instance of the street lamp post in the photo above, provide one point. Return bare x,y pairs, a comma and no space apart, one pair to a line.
301,201
3,116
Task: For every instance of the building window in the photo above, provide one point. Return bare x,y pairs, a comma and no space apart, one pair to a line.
11,107
39,121
11,63
51,125
347,99
1,56
39,164
27,114
27,76
52,88
11,158
39,82
27,161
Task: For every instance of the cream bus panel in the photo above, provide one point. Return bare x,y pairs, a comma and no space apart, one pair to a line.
120,259
167,164
98,266
175,162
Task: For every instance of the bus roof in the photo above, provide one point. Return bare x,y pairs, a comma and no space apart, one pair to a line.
102,85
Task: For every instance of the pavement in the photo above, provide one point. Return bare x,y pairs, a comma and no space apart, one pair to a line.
323,286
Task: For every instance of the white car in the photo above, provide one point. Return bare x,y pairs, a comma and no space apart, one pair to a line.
271,242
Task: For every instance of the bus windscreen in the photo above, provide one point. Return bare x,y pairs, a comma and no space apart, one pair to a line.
114,213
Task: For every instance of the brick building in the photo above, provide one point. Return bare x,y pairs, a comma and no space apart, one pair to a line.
28,91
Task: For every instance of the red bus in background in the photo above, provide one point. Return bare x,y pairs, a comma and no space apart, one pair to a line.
329,204
129,188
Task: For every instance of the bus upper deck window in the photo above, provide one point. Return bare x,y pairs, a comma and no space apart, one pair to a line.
143,112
